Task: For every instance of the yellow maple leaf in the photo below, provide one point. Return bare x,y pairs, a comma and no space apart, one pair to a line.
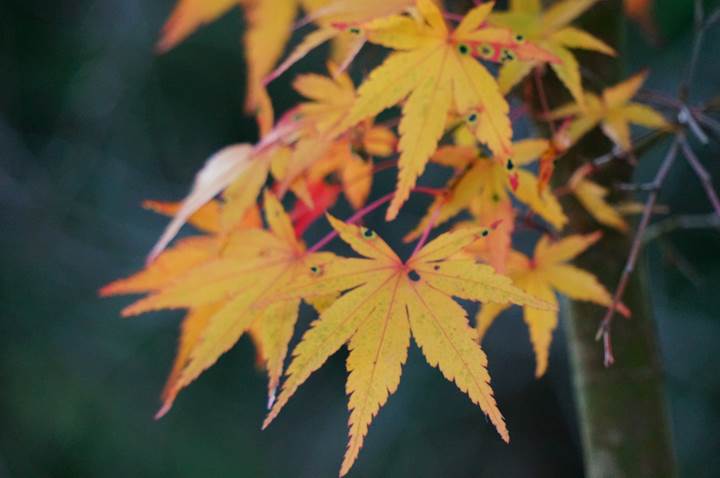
592,196
192,328
227,287
549,29
488,182
172,264
270,25
332,97
385,299
542,276
613,111
435,69
341,21
182,257
186,253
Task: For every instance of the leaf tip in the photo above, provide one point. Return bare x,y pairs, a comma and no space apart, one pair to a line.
163,410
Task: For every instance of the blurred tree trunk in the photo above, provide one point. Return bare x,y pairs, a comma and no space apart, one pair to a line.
622,411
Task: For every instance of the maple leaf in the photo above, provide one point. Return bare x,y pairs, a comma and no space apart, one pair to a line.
172,264
542,276
227,289
186,253
488,182
324,195
613,111
592,197
206,218
333,97
218,172
270,25
342,21
354,173
182,257
189,15
549,30
497,246
385,299
240,171
434,68
344,159
641,12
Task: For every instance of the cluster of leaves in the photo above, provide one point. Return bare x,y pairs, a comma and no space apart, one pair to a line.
249,269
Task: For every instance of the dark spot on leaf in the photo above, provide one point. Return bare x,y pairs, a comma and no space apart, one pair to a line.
413,276
463,49
507,55
368,233
472,117
510,165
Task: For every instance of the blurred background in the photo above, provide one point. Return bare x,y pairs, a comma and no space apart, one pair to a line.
92,122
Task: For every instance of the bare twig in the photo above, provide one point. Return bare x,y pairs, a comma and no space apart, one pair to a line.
645,187
701,173
537,73
662,173
659,99
365,211
528,221
713,18
674,257
710,123
685,222
685,117
426,233
684,92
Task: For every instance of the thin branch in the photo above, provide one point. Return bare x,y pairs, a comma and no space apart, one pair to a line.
713,18
364,212
662,173
710,123
684,92
659,99
644,187
701,173
532,224
352,219
426,233
537,73
685,117
684,222
679,262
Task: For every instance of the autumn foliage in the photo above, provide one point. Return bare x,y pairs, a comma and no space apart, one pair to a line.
441,95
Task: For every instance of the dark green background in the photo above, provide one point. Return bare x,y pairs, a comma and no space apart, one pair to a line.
92,123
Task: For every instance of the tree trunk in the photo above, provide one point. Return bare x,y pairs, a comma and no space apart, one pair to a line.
621,409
